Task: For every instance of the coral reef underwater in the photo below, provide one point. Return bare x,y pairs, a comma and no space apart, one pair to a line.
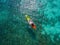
14,29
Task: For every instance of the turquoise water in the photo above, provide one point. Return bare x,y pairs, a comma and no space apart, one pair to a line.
15,30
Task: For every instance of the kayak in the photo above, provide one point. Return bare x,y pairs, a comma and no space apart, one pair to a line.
31,23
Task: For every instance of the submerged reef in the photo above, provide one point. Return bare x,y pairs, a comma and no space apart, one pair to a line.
15,30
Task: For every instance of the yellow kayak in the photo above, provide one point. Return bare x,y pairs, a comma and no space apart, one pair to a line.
30,21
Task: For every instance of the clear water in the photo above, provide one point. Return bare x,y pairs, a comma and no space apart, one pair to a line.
15,30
